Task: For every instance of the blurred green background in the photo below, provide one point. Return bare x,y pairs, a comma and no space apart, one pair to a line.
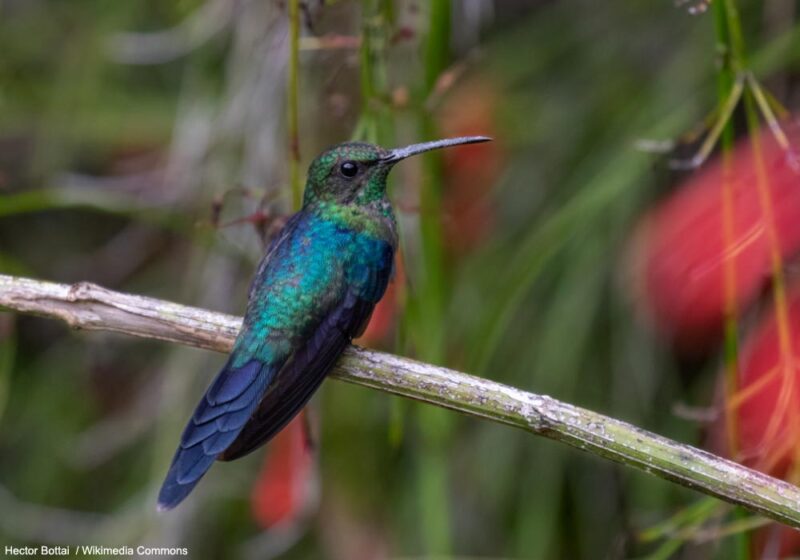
144,146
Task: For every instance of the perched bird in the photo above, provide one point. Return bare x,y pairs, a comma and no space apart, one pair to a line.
313,293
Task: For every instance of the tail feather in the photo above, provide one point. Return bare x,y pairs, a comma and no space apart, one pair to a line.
217,421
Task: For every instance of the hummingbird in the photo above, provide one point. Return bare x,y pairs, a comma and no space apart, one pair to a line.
313,292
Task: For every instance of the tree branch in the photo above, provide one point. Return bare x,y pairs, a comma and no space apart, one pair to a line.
87,306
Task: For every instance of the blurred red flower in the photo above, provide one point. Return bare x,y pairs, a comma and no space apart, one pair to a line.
766,403
471,171
283,487
765,410
681,250
711,247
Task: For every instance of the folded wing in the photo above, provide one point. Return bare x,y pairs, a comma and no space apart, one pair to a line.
252,399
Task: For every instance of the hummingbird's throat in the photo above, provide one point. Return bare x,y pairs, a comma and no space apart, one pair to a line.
374,188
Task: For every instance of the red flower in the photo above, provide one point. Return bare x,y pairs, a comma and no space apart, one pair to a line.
283,487
471,171
682,251
766,404
765,413
710,248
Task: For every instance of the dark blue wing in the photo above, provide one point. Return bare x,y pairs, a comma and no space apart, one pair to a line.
224,410
303,374
215,424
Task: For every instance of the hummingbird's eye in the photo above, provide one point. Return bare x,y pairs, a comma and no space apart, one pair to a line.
349,169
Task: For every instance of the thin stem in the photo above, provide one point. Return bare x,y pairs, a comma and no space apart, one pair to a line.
428,305
719,131
735,37
784,328
768,113
376,123
292,104
730,85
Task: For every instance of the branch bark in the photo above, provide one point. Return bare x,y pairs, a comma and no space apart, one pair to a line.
87,306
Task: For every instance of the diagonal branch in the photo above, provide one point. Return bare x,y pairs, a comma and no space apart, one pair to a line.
87,306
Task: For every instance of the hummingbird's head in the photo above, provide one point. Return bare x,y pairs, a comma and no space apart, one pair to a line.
356,172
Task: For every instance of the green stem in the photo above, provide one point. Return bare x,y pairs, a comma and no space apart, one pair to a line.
731,42
428,305
292,104
730,52
376,122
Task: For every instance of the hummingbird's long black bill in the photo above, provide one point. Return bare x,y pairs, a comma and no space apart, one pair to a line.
402,153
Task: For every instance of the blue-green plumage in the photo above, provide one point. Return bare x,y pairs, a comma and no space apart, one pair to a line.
313,293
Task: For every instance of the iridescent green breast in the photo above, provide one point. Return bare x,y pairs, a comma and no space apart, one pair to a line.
310,270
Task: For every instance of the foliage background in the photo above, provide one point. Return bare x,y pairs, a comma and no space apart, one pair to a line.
131,132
